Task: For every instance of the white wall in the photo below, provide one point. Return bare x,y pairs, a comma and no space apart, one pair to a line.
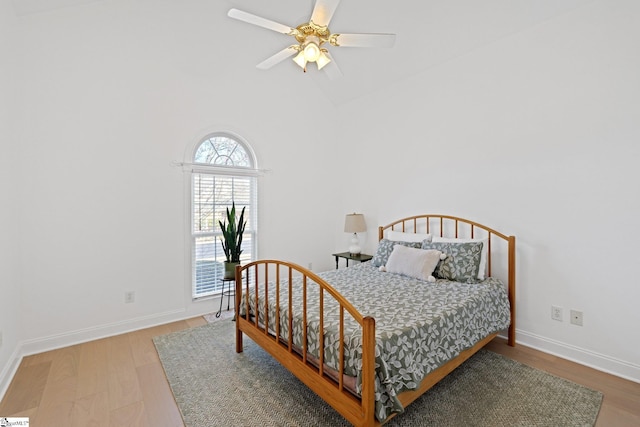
114,93
536,135
10,300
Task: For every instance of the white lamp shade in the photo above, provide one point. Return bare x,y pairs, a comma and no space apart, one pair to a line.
354,223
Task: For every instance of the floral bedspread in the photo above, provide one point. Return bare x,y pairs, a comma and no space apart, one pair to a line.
419,325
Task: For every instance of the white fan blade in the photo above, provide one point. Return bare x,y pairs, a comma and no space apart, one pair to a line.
323,11
366,40
332,69
259,21
278,57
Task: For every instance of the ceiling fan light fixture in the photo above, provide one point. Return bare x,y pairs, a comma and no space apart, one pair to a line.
300,60
323,59
311,51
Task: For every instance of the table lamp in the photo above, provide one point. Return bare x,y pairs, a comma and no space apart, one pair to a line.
354,223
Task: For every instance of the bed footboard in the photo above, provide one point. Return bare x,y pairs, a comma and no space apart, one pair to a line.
258,276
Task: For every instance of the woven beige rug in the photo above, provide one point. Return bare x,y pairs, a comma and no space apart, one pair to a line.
214,386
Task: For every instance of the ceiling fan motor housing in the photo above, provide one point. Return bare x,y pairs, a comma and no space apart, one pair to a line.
310,29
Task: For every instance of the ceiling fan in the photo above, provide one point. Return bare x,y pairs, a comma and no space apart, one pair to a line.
313,38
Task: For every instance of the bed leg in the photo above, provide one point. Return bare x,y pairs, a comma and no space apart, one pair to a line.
512,290
239,347
511,339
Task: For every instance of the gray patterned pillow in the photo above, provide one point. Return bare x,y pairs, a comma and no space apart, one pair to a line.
462,261
385,247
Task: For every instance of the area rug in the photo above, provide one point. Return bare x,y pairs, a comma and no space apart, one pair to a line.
213,385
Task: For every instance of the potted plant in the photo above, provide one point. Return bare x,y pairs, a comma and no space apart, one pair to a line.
232,240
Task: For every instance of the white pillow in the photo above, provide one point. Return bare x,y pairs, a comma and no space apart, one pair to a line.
413,262
482,268
400,236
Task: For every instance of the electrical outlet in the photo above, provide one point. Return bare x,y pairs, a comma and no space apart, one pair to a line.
576,317
310,266
556,313
129,297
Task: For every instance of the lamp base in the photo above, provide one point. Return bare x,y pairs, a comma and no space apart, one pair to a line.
354,247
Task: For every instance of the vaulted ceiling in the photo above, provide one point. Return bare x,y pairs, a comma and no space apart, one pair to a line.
428,33
27,7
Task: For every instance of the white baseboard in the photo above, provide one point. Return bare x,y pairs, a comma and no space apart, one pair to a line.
592,359
9,371
52,342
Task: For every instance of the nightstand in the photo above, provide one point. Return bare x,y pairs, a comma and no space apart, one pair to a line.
354,257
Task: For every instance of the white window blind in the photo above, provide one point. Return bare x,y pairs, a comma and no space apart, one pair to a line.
212,194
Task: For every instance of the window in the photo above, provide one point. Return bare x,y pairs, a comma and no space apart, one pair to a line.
223,172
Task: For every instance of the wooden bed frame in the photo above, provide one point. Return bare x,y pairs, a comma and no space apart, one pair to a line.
329,385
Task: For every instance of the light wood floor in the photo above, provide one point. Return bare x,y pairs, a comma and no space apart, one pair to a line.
119,381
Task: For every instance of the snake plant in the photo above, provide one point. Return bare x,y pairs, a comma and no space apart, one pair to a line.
232,234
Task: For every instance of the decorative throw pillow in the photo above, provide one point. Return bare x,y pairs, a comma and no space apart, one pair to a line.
412,262
385,247
482,270
462,261
401,236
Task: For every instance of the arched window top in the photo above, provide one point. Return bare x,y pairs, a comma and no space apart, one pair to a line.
224,150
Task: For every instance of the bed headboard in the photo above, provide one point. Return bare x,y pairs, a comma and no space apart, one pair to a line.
501,255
